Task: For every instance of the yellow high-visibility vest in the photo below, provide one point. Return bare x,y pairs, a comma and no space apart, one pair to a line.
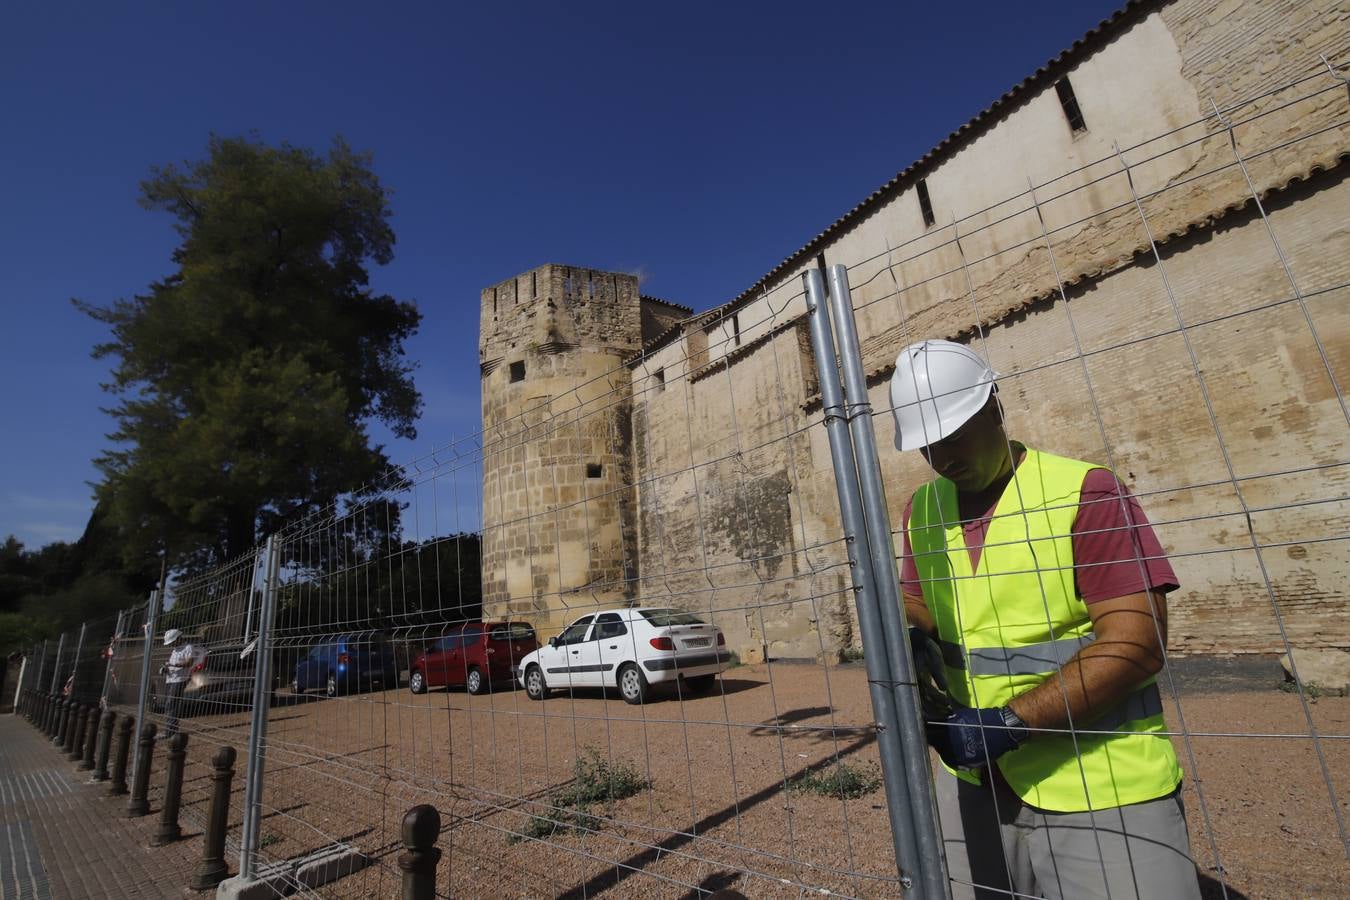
1010,623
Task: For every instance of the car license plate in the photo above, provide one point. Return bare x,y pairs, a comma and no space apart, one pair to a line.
698,642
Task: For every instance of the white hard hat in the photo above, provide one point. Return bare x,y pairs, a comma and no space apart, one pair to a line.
172,635
936,388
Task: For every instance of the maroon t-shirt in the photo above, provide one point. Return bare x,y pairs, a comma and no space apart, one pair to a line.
1110,541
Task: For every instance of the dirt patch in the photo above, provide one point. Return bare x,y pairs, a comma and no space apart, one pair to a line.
717,813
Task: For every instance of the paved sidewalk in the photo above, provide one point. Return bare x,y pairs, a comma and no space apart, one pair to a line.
62,837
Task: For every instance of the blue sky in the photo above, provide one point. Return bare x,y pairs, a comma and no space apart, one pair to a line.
697,144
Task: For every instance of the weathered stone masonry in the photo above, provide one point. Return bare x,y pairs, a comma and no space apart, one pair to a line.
714,490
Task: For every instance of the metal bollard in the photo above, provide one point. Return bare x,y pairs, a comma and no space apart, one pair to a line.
119,771
212,869
62,717
57,717
139,805
72,726
168,830
421,828
45,713
90,740
104,744
75,745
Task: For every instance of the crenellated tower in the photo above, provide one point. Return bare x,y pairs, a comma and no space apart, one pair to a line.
559,519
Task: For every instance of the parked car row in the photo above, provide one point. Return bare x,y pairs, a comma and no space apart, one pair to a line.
630,650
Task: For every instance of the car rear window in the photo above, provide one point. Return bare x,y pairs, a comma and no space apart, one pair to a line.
664,617
512,631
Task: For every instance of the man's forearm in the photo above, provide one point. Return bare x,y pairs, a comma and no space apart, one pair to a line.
916,613
1100,676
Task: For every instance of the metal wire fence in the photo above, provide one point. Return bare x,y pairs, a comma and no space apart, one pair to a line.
361,665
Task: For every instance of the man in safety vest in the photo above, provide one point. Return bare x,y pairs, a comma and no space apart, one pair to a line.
1044,587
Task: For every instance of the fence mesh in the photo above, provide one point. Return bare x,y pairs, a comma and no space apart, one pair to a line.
642,494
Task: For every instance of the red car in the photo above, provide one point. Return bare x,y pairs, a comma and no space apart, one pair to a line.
475,655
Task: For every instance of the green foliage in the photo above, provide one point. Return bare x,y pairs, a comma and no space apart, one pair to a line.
596,780
19,632
45,591
245,377
1311,689
847,782
850,654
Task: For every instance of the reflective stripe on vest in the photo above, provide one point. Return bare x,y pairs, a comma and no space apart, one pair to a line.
1010,623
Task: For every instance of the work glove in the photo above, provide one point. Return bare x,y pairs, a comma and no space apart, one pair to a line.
931,675
972,738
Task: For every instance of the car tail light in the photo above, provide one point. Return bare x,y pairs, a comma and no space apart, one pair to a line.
343,659
662,643
721,639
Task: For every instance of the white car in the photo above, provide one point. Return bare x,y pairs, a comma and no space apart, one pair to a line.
630,649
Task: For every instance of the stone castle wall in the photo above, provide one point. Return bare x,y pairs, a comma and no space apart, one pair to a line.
734,507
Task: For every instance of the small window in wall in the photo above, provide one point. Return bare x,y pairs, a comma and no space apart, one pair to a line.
736,329
1069,102
594,470
517,371
925,204
659,377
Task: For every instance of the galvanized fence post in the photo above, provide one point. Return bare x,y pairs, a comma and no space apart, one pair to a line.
75,663
56,671
110,651
262,694
151,620
918,770
899,808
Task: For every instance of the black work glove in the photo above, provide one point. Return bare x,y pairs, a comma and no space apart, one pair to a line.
935,702
976,737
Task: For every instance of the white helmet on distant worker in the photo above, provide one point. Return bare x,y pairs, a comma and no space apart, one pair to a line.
171,635
937,387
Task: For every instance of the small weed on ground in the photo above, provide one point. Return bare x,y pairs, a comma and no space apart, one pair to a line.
595,781
850,654
268,840
848,782
1311,689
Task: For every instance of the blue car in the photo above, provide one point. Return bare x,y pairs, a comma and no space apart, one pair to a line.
347,662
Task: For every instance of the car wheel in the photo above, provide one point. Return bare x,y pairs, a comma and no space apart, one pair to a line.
417,682
632,684
475,682
332,688
700,684
534,683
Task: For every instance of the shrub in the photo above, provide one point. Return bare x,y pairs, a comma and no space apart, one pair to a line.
847,782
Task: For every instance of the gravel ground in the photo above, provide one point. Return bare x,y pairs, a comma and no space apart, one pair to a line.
716,813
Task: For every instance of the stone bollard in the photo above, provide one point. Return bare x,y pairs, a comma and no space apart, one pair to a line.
104,744
168,830
139,805
90,740
119,771
76,742
421,828
212,869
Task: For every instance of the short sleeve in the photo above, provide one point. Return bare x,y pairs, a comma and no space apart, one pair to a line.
1115,550
909,572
